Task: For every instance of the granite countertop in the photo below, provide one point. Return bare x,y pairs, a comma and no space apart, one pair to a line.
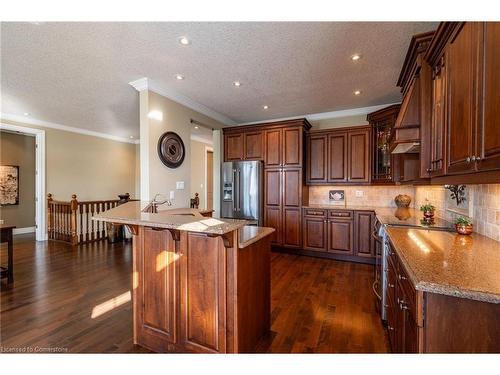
448,263
392,215
188,219
250,234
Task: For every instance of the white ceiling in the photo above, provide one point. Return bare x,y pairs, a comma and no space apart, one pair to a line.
77,74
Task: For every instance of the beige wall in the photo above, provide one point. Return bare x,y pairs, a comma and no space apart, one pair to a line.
198,170
88,166
176,118
339,122
16,149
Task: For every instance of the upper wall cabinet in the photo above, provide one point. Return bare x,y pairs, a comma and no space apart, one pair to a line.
465,62
241,145
338,156
382,123
233,147
412,130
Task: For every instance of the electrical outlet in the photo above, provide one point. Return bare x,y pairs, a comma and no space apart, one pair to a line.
179,185
172,195
359,193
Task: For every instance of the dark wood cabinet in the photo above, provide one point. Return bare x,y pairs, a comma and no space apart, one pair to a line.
254,145
273,151
358,161
317,158
233,147
488,137
363,240
465,133
461,59
315,232
292,146
382,123
340,236
339,156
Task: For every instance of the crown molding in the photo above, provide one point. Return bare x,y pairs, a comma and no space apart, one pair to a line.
327,115
71,129
145,83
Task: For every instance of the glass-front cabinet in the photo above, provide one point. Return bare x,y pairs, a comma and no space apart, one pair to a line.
382,123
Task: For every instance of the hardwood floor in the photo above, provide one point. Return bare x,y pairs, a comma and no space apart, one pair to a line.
76,300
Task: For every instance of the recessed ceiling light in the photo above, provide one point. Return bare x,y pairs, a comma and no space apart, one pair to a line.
196,127
131,137
265,106
237,83
355,57
26,114
184,41
180,77
357,92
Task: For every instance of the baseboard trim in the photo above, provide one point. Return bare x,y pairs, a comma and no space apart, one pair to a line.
23,230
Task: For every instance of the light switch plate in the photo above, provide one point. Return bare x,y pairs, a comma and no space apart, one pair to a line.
359,193
179,185
172,195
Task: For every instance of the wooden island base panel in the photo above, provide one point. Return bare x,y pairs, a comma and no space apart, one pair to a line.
197,290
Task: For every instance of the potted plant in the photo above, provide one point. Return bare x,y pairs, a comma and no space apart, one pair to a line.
428,210
463,225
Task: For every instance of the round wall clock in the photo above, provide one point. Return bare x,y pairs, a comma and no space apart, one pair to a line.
171,149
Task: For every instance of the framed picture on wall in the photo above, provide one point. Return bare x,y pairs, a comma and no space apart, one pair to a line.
9,185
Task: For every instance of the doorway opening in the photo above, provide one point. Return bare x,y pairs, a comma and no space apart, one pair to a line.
38,168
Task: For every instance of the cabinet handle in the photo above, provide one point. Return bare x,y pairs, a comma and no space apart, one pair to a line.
468,159
428,170
401,277
403,305
473,158
390,285
390,328
478,158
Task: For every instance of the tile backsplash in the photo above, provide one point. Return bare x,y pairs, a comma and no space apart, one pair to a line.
377,196
484,211
485,201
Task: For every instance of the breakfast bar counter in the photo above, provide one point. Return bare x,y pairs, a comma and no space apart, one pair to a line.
199,284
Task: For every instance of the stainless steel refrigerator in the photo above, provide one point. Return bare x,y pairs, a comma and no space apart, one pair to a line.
242,191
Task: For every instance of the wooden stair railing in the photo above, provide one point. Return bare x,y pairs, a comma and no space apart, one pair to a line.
71,222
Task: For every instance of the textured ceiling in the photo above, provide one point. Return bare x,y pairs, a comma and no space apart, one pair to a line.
77,74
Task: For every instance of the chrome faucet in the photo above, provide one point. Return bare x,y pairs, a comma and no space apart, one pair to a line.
153,205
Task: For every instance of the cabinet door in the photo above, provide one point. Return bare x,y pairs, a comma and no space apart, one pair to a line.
156,306
462,56
273,219
317,157
292,187
489,131
315,233
203,297
438,140
292,233
363,240
358,156
233,147
273,186
254,145
337,157
340,236
292,147
273,151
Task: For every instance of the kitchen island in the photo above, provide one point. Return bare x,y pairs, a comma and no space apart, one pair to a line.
199,284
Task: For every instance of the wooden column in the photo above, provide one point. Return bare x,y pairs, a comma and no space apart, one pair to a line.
50,217
73,221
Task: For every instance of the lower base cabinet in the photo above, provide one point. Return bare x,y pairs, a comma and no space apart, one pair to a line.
342,234
424,322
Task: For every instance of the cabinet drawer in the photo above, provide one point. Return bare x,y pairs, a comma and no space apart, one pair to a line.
314,212
342,214
391,281
409,298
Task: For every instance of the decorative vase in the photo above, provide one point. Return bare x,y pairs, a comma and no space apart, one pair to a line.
464,229
402,200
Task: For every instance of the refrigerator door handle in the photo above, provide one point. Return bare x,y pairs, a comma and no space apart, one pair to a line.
239,186
234,190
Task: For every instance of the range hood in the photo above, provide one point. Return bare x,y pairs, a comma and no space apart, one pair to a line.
407,148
